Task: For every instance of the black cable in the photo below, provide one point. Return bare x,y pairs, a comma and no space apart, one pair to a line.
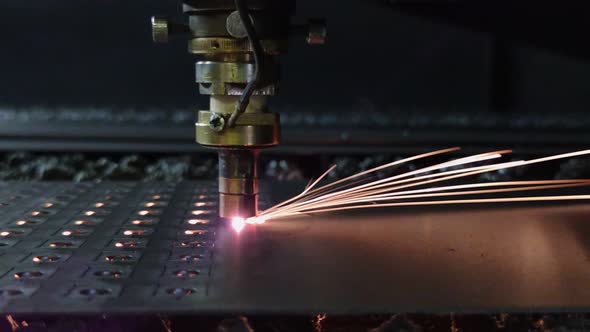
255,44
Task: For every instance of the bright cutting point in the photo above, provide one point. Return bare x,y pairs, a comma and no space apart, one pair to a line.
238,224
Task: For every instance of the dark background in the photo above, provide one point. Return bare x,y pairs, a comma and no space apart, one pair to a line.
408,75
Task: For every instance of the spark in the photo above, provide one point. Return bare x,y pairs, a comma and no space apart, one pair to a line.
362,191
238,224
317,322
13,323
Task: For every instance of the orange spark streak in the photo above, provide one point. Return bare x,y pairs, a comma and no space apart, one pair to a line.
395,163
385,183
460,193
463,201
345,194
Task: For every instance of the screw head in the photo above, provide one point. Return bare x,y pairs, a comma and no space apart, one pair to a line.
159,29
235,26
217,122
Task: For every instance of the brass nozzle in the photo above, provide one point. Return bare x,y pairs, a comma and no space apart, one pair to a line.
238,183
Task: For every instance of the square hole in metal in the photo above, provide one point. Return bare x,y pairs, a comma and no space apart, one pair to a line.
7,243
109,272
72,232
63,243
119,257
29,272
15,290
95,291
135,232
143,222
128,243
48,257
28,222
85,222
178,292
14,232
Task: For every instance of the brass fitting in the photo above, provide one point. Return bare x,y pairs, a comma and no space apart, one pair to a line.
229,58
238,149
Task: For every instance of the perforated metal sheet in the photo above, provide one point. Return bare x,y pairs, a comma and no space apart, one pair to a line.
156,247
104,247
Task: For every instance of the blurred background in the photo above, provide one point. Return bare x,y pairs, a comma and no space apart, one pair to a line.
395,78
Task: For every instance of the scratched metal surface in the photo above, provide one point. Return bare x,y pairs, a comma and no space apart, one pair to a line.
129,257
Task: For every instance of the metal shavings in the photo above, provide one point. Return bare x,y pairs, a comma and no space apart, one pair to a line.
13,323
317,322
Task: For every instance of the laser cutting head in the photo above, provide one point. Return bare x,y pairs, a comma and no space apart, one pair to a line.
239,42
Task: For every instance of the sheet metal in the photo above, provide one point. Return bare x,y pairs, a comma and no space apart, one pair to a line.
119,259
468,260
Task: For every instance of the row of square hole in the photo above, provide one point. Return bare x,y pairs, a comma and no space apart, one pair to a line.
120,257
147,215
40,215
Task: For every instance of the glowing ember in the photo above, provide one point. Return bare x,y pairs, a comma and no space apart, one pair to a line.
198,221
238,224
193,232
89,213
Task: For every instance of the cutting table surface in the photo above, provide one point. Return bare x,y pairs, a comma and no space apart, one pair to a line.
88,248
